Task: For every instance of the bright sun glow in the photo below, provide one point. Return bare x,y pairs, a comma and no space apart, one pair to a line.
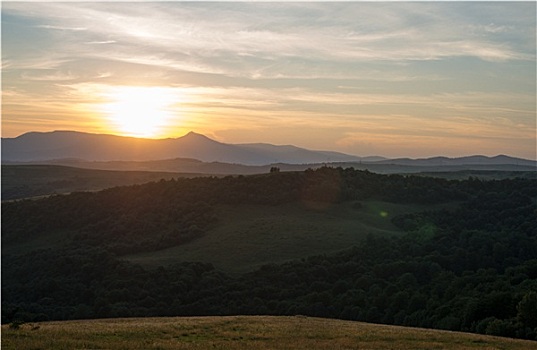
140,111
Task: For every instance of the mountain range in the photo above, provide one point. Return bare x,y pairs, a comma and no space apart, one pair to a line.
72,146
38,146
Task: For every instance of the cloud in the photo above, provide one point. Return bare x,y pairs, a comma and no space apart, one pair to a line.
44,75
101,42
233,38
76,29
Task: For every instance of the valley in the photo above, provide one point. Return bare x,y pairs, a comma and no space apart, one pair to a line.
339,243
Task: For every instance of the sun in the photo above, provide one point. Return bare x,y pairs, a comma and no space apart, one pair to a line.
139,111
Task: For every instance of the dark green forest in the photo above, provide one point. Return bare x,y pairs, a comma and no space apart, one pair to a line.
471,266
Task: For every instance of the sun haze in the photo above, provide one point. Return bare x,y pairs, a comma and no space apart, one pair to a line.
139,111
395,79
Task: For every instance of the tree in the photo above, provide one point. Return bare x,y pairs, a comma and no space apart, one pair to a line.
527,309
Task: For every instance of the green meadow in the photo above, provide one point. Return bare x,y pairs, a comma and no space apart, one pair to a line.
250,236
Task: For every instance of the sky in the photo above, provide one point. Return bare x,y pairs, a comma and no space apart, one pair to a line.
395,79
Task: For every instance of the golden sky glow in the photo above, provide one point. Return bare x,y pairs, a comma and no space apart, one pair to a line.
139,111
394,79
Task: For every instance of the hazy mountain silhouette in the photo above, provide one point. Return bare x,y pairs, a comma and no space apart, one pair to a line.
55,145
36,146
470,160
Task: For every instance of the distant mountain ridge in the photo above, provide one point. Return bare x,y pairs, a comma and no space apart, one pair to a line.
468,160
37,146
73,146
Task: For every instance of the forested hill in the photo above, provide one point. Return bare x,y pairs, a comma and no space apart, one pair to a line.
471,266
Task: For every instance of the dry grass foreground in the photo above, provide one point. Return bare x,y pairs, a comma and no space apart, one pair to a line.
240,332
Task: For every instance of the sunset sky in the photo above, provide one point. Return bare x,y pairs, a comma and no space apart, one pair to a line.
412,79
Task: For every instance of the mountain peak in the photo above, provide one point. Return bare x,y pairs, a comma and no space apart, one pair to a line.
197,138
194,134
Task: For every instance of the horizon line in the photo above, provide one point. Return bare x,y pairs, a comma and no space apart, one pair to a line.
469,155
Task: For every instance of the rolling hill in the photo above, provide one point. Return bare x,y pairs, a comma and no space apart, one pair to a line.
23,180
27,181
242,332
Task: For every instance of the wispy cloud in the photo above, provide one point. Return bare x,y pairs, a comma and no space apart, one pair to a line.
47,26
43,75
257,35
100,42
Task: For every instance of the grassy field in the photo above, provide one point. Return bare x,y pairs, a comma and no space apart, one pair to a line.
247,237
241,332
